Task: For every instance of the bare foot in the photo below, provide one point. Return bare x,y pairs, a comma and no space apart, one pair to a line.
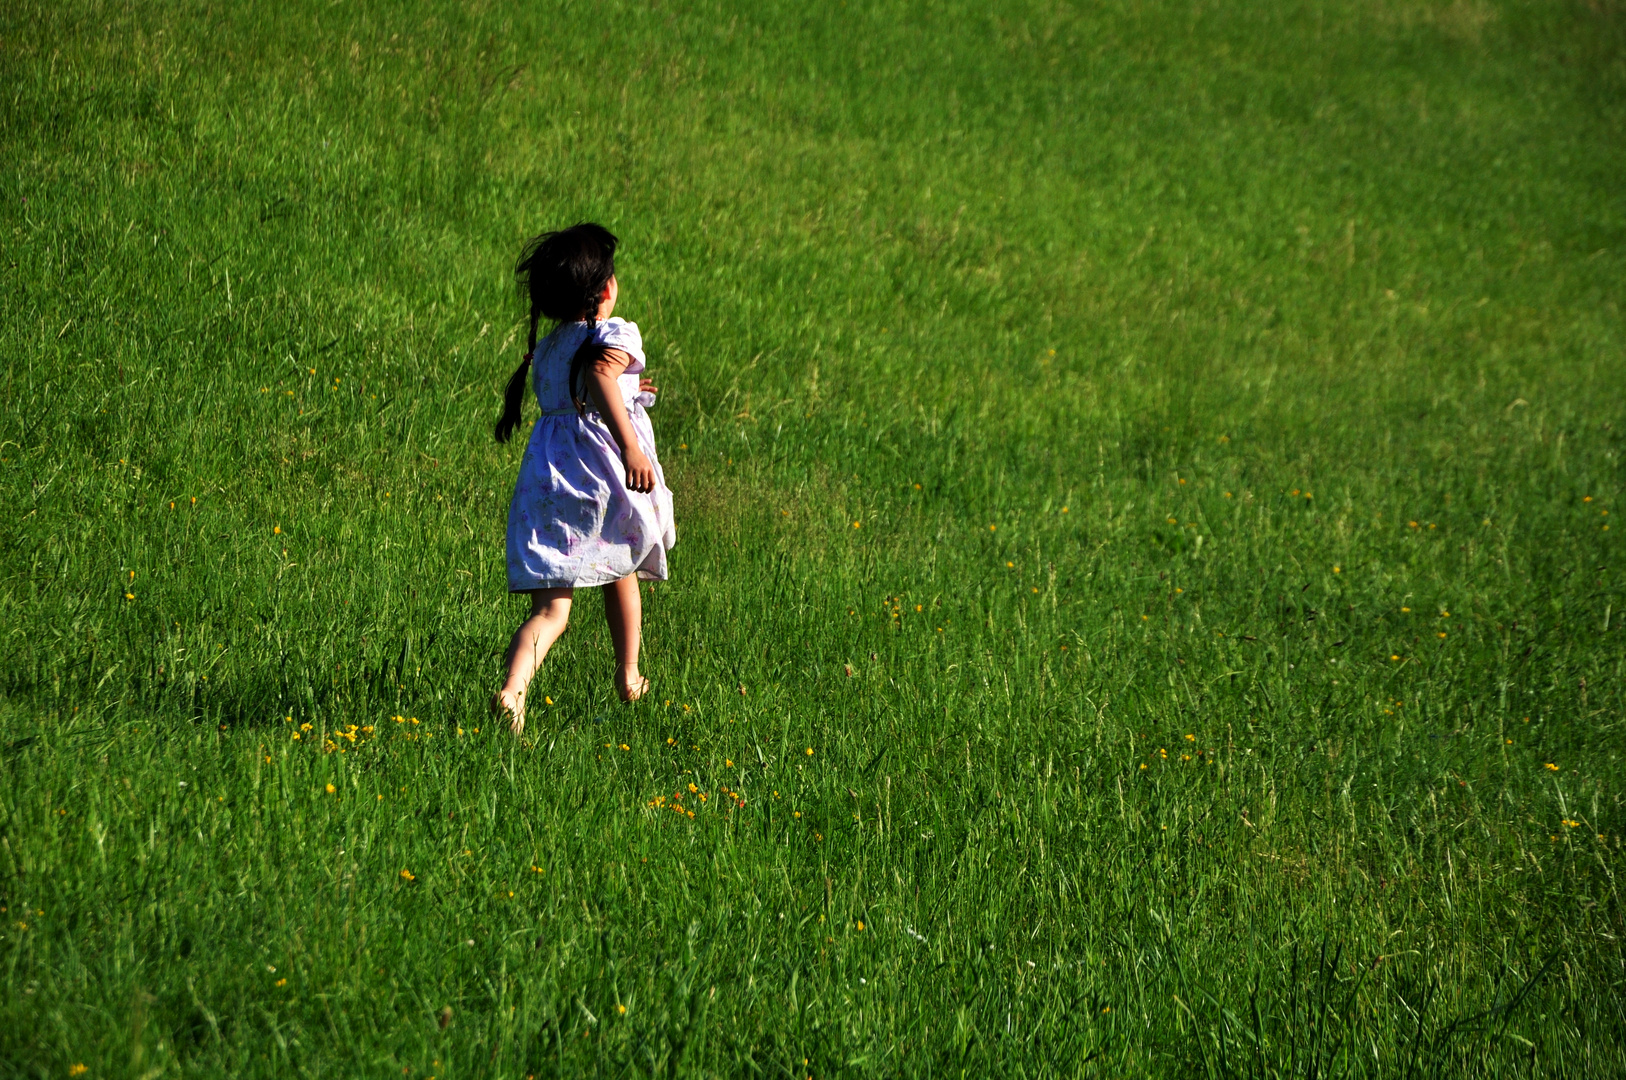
512,705
630,684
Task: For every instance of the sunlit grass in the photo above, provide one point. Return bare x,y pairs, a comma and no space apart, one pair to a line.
1144,602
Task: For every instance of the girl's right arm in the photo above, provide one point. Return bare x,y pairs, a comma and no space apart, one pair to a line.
606,395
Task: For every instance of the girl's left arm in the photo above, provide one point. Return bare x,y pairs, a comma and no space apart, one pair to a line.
606,394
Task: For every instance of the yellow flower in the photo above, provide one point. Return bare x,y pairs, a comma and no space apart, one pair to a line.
1551,766
547,700
693,789
277,531
408,875
622,1009
129,596
1571,824
1338,569
1394,656
796,813
727,763
78,1069
282,982
860,925
857,524
624,746
810,751
331,789
1191,738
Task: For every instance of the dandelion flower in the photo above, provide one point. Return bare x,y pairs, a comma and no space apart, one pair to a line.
810,751
621,1009
331,789
1338,569
276,530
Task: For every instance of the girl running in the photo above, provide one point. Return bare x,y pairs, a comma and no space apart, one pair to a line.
591,506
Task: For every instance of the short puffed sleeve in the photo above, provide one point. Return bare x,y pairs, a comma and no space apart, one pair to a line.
623,335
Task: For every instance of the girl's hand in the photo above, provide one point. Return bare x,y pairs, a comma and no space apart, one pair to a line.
647,386
640,473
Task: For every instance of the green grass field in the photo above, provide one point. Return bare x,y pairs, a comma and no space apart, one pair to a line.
1144,601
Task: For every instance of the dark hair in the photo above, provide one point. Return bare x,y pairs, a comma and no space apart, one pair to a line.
563,274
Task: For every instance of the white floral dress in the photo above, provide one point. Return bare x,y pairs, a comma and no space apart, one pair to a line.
573,521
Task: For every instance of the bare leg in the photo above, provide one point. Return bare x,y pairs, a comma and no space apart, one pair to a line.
624,609
550,614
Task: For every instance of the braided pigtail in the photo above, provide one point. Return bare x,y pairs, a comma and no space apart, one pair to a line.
584,357
513,395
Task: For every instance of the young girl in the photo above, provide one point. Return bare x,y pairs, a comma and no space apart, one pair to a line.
591,506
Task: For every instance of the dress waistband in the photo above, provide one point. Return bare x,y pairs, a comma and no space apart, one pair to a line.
639,401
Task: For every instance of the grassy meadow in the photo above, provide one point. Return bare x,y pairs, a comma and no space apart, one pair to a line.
1144,605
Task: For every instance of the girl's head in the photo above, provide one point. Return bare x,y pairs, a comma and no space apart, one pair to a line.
567,275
